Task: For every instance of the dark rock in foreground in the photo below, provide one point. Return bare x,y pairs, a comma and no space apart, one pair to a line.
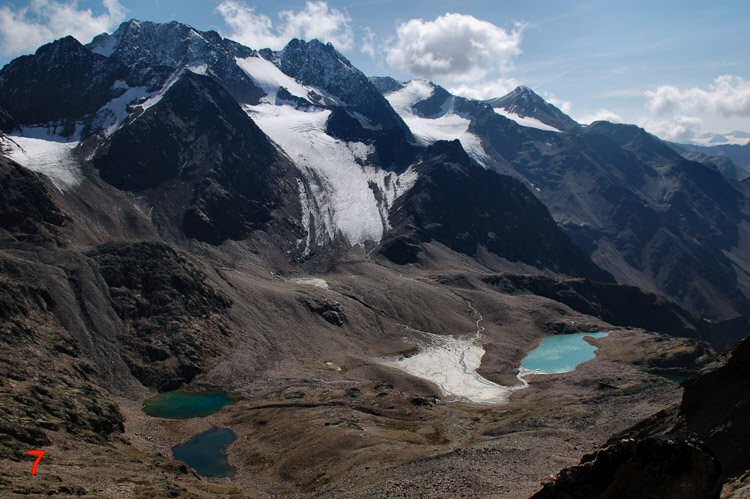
649,468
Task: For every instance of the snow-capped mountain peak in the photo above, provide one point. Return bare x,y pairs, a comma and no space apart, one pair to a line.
528,108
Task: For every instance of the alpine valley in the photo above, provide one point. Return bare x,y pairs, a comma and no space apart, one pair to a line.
355,268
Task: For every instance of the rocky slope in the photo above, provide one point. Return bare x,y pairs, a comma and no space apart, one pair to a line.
462,205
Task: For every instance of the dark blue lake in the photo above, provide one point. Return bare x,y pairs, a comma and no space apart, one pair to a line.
206,453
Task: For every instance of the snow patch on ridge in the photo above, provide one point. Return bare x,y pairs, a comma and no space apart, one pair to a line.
341,194
198,68
448,126
110,117
526,121
270,78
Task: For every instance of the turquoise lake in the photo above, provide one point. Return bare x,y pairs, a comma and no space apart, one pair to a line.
179,404
206,453
561,353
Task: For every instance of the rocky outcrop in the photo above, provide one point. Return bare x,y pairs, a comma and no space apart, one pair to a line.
173,319
26,206
329,310
640,469
687,451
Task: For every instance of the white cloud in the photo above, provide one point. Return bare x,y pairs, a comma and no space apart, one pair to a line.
456,47
368,42
24,29
564,105
487,89
316,20
601,115
680,128
727,95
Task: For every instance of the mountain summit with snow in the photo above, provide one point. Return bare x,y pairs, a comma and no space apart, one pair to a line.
525,104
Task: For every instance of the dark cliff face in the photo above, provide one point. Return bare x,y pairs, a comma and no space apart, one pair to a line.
460,204
232,178
716,407
640,469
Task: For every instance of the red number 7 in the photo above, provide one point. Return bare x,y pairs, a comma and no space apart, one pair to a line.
39,455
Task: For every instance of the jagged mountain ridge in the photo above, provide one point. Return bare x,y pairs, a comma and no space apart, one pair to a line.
606,202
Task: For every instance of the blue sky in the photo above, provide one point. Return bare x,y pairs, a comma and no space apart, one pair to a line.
680,68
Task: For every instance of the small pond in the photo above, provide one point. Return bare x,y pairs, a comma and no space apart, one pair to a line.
179,404
561,353
206,453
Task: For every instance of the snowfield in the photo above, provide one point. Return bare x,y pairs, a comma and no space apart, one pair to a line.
526,121
339,192
448,126
270,78
43,151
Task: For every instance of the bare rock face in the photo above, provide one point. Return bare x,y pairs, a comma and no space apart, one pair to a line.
716,406
640,469
26,207
173,318
462,205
